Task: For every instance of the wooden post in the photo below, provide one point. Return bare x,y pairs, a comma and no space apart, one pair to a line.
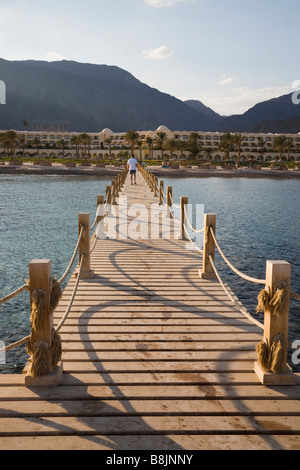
100,216
183,202
277,271
113,192
161,193
40,281
84,245
207,271
169,200
155,181
108,197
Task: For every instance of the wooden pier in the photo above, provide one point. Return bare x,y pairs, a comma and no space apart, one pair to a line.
154,356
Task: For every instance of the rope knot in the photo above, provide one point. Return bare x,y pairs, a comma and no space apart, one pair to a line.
38,350
275,304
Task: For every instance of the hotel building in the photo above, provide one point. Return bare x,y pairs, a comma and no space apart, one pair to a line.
50,145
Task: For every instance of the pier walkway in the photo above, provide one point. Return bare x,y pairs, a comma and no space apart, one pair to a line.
154,357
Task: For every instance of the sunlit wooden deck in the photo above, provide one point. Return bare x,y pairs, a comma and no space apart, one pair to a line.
154,358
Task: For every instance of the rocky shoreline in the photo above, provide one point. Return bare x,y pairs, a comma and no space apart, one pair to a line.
111,172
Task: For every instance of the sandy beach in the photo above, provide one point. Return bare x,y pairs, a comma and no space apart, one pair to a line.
111,172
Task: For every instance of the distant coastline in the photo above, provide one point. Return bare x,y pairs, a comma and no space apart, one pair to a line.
57,169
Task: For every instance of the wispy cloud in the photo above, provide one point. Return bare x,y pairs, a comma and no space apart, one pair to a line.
53,56
239,100
225,80
159,53
165,3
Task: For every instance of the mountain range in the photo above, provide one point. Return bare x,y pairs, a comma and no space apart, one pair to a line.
89,98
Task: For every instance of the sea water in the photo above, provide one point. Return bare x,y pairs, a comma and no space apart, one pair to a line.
257,220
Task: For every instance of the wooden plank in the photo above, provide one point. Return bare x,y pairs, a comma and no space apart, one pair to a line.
168,442
150,408
127,425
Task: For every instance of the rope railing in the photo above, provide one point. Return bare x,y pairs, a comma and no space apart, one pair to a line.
60,324
73,256
189,223
14,294
83,270
242,309
239,273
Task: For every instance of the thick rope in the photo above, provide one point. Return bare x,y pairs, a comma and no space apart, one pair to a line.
293,295
189,224
173,203
272,357
193,243
242,310
73,257
72,297
276,303
13,294
239,273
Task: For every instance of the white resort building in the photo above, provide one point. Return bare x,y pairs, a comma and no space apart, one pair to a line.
50,144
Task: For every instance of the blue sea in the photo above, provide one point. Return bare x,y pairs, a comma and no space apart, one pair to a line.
257,220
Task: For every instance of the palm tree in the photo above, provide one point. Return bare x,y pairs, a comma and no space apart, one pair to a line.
4,141
75,140
108,141
193,144
262,146
171,145
280,144
36,142
159,140
22,144
25,124
237,142
181,145
226,144
131,137
11,137
61,144
149,142
289,147
139,145
86,141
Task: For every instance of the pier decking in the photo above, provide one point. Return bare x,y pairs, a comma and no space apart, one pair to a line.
154,358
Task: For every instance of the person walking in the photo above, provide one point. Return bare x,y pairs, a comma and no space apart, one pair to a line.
132,166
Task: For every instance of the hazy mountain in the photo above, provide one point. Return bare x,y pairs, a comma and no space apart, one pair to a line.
89,98
265,117
205,110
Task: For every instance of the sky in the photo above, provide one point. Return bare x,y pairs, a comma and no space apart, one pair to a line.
229,54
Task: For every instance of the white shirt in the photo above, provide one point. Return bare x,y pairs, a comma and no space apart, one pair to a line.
132,162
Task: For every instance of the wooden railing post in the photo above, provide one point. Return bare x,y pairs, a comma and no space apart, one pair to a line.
161,193
207,271
100,216
155,181
274,372
84,245
108,195
113,192
183,202
41,371
169,200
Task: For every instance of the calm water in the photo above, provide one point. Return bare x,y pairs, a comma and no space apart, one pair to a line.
256,220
